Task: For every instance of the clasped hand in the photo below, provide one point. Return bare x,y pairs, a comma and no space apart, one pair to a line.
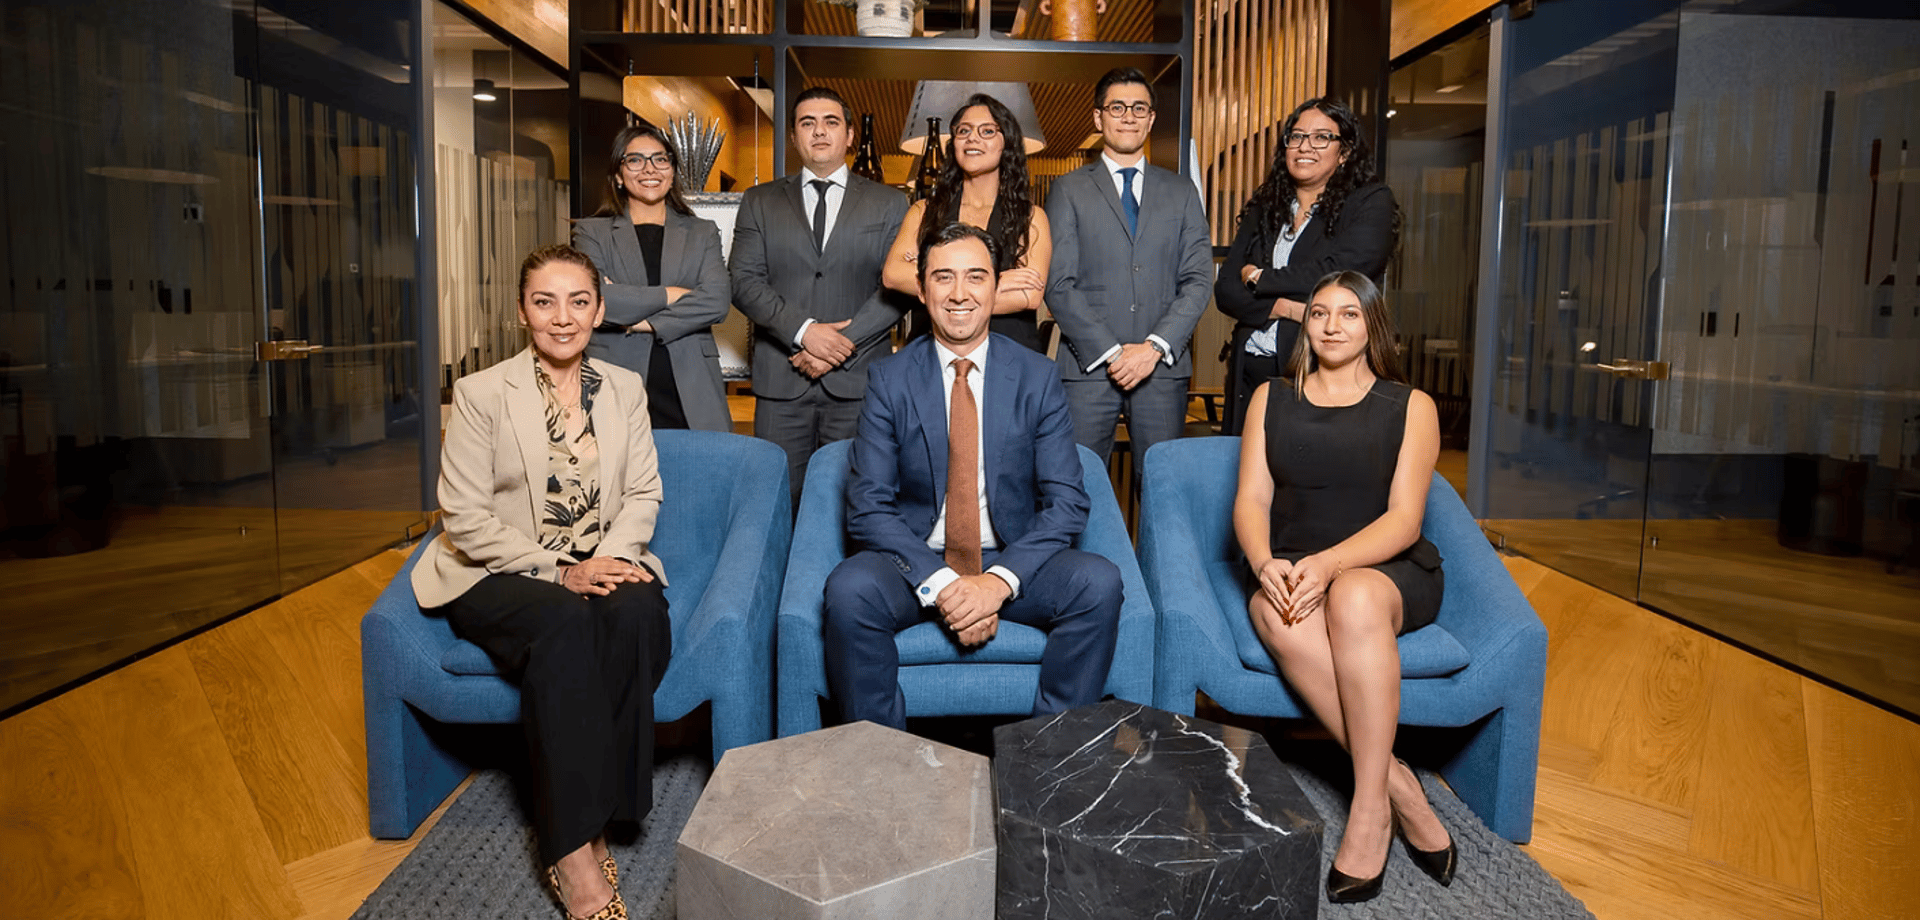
1297,589
599,575
970,606
1134,364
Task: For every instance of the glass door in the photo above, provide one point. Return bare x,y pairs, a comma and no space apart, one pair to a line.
1584,114
336,114
1784,486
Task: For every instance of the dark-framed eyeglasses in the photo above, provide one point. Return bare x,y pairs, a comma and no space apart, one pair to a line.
1120,109
1318,140
984,132
632,162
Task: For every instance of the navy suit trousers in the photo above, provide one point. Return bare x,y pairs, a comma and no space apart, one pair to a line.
1075,598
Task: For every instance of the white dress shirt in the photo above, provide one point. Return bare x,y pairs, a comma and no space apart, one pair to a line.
929,591
1264,342
810,198
1139,168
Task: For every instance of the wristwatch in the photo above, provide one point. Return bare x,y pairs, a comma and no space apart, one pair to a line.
1156,346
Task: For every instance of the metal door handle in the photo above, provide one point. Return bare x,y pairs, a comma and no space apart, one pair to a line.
285,349
1641,370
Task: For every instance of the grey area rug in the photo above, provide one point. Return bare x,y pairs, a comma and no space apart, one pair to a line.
479,861
1495,879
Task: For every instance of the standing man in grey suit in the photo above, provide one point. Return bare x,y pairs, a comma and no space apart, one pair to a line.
1132,272
807,254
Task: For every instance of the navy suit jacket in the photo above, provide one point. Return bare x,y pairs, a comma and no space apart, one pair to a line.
897,480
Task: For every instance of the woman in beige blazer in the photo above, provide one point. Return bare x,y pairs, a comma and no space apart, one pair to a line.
550,488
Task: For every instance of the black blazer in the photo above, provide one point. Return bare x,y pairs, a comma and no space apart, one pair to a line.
1363,241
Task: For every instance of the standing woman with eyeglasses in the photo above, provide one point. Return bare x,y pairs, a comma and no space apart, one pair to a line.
984,183
665,284
1320,209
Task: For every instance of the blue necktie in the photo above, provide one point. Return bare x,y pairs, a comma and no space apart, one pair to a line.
1129,205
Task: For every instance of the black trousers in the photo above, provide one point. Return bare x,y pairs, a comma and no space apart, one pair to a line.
587,669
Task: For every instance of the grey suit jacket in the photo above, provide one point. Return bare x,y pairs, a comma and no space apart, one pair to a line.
780,279
1110,287
689,258
493,480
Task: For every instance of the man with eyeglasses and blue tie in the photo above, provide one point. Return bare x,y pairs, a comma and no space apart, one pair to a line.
1132,271
806,260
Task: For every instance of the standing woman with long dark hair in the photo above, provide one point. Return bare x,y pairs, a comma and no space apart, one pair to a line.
984,183
1320,209
666,285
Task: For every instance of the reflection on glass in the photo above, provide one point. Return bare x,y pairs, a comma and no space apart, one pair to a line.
1785,441
157,476
497,189
1436,146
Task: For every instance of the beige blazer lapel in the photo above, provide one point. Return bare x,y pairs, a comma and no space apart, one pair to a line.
527,417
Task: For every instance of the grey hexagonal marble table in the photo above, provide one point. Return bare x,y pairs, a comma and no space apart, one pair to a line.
1119,810
855,821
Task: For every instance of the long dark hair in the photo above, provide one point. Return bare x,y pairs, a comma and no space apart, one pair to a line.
1273,201
1012,200
1383,340
616,203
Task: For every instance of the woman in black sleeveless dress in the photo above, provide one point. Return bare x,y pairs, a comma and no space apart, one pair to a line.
1334,469
984,182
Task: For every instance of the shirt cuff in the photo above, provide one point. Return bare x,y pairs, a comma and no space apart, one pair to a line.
1006,575
800,338
1166,351
929,590
1104,358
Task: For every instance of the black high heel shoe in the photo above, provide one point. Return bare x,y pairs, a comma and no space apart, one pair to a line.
1437,864
1346,889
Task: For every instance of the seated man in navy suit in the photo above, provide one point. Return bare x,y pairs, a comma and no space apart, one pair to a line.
971,527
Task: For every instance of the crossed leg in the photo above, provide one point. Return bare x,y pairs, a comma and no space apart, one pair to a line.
1344,661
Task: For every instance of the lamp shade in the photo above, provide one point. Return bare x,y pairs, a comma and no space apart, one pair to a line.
941,98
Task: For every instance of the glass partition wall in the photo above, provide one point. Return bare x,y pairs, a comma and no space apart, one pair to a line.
209,360
1706,306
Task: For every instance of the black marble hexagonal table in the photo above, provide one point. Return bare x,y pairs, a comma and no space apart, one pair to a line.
1121,810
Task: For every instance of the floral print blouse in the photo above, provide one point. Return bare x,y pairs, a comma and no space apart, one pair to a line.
570,521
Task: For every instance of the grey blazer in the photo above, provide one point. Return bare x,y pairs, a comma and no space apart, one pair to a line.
1109,287
689,258
493,480
780,279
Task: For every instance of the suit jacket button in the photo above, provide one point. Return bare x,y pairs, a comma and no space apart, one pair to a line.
1136,269
818,275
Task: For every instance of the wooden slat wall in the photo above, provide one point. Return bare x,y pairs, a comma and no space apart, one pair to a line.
745,17
1254,61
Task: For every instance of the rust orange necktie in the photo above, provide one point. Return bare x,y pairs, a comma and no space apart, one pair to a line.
963,475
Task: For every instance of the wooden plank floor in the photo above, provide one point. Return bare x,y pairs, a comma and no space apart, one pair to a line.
1679,776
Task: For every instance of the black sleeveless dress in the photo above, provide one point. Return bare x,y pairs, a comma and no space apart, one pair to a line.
1022,326
1332,473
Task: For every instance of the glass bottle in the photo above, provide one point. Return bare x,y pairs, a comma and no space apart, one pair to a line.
866,160
931,162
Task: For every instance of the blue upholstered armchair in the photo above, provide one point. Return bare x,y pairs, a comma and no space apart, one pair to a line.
1480,667
723,535
999,678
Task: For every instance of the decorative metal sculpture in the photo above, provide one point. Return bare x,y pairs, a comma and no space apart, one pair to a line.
699,148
